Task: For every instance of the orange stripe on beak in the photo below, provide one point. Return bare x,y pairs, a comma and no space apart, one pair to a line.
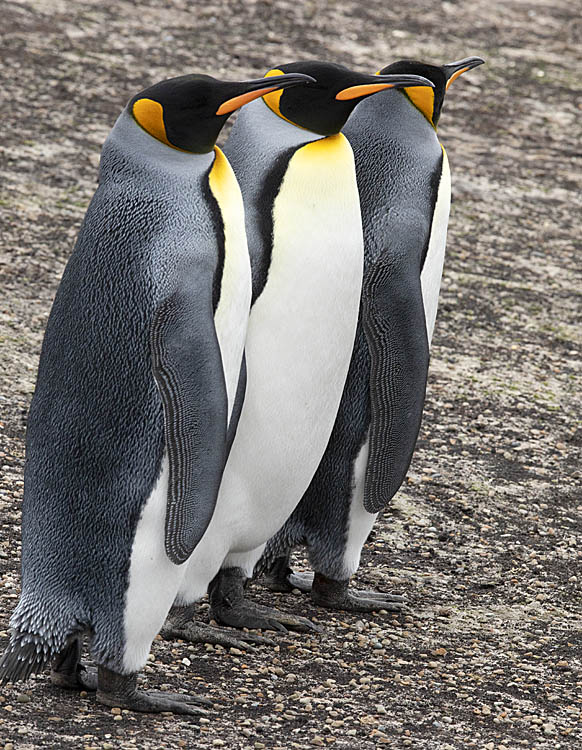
353,92
455,76
231,104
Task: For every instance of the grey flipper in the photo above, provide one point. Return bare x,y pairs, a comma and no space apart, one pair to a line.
395,328
187,367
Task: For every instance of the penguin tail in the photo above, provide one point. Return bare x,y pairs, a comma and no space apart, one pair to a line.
40,628
37,635
25,654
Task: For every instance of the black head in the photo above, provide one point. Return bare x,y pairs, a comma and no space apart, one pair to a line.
324,106
430,101
188,112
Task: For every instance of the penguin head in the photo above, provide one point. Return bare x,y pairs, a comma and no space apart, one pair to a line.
430,101
188,112
324,106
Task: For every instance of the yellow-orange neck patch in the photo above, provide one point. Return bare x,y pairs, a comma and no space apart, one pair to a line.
423,99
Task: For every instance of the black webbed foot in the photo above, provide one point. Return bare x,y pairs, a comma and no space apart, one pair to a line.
229,606
180,625
121,691
332,594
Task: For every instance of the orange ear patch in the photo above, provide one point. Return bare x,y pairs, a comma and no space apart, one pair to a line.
150,115
423,99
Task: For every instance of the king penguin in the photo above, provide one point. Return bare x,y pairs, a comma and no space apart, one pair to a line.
127,432
298,180
405,189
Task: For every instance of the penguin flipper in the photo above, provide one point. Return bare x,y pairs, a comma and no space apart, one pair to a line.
187,367
394,324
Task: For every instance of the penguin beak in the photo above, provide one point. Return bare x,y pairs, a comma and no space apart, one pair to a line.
455,69
381,82
260,87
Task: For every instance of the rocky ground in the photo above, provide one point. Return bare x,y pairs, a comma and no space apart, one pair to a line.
484,538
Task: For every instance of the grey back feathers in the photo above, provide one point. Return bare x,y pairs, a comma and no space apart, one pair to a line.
397,206
95,435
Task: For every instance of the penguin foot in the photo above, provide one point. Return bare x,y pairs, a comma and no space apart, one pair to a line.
68,673
228,606
245,614
326,592
121,691
197,632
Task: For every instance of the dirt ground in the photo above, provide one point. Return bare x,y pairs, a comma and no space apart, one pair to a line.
484,538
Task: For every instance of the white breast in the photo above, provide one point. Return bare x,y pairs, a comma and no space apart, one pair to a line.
432,271
299,344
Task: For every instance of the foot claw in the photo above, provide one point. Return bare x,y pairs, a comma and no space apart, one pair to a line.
353,602
357,602
194,700
150,703
378,595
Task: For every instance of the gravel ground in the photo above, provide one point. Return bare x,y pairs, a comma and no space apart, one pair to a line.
484,538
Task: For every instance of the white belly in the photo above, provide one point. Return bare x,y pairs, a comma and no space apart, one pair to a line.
432,271
299,344
360,522
153,578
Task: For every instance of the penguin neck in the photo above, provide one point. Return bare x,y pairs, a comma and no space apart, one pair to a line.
282,133
138,148
393,112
